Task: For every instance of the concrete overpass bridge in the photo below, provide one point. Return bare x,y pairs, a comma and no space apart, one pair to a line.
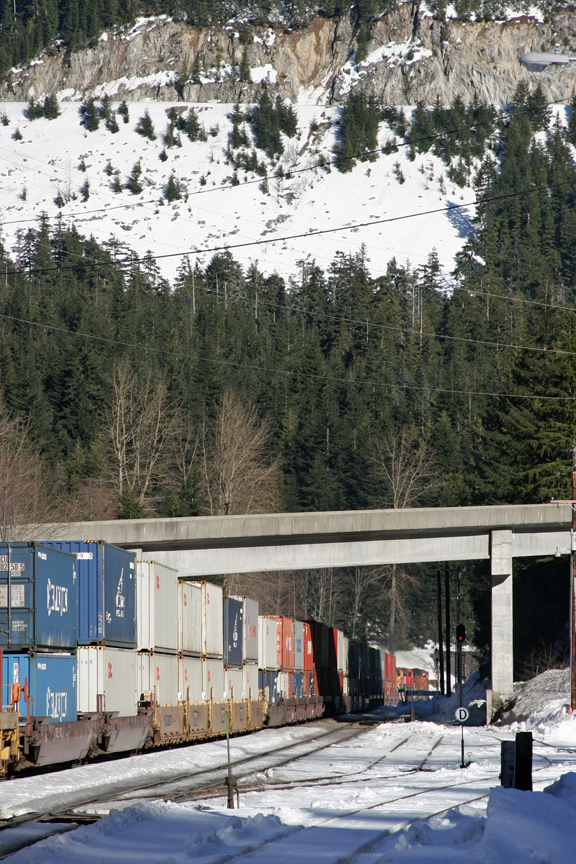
216,545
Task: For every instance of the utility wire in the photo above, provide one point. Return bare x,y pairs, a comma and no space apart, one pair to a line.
379,150
308,234
284,372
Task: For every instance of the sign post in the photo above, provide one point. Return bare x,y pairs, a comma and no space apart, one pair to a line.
461,717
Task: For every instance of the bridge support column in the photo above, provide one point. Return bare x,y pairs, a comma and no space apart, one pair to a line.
502,650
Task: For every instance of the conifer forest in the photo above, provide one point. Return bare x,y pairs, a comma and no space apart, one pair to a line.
231,391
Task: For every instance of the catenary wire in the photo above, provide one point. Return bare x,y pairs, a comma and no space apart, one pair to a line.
285,372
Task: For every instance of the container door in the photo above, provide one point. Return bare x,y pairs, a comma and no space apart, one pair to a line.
17,616
250,625
145,606
165,587
190,676
53,685
120,597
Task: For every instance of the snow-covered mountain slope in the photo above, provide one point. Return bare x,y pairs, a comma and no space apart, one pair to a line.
48,160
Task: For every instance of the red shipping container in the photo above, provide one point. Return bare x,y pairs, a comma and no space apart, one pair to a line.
308,649
285,642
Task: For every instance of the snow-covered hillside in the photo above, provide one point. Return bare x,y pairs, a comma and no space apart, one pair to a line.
49,159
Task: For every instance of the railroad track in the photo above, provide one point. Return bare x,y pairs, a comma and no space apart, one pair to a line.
314,744
67,819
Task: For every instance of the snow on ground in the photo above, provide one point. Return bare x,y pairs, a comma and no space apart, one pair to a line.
395,793
46,163
363,801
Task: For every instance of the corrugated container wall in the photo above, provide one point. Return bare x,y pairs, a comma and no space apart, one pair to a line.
270,686
320,644
284,642
213,679
233,613
51,683
212,620
107,680
190,617
353,667
308,647
41,610
298,646
157,604
233,682
332,647
158,671
250,681
298,685
190,676
343,655
267,642
106,592
250,631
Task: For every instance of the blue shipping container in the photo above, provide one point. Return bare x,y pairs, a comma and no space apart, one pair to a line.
233,611
298,685
41,610
271,682
51,682
106,593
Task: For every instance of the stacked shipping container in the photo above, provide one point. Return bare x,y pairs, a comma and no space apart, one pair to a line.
157,635
38,630
106,628
190,641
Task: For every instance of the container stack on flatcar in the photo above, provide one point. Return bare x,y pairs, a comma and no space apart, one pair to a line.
38,631
106,654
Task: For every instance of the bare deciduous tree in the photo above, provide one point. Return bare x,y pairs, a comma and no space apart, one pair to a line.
239,475
27,493
143,426
405,464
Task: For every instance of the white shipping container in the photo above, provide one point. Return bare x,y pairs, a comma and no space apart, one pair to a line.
157,607
212,620
233,682
190,676
107,680
213,679
160,671
250,681
298,642
267,643
250,625
340,659
284,688
190,617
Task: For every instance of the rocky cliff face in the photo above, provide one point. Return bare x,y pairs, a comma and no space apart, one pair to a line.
411,57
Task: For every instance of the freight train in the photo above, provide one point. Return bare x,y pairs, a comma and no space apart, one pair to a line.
103,654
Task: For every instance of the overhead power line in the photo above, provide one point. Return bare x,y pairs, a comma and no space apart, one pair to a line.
284,372
308,234
290,172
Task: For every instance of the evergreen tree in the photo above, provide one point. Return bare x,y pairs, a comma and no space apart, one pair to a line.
145,127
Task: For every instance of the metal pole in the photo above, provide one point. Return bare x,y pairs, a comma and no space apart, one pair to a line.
573,602
230,786
462,764
459,646
447,592
440,646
